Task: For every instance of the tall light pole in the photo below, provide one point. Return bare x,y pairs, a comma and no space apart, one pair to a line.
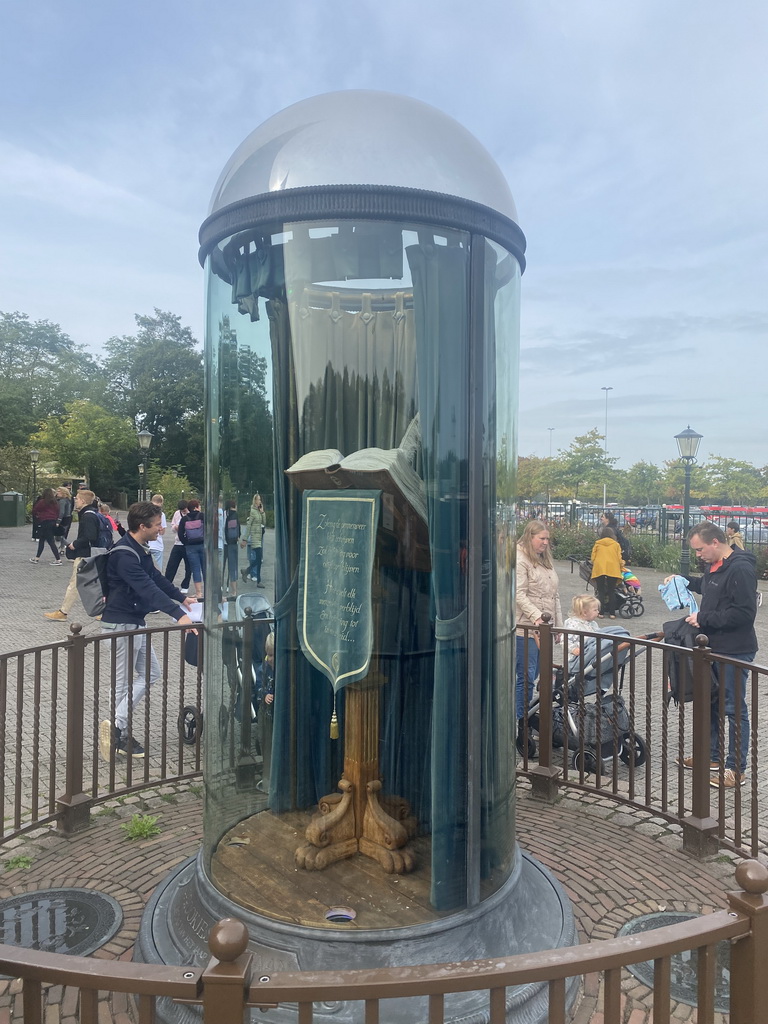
145,440
34,455
687,445
605,439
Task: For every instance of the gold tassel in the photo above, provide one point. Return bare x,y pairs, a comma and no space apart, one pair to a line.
334,721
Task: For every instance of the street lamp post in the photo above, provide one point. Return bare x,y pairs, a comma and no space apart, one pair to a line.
34,455
687,445
605,439
145,440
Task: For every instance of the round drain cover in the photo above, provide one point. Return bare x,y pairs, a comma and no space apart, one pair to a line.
682,971
74,921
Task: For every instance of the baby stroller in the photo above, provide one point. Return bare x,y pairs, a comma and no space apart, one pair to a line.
240,664
591,729
629,600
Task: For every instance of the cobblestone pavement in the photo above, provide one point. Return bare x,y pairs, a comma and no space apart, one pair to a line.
615,862
614,865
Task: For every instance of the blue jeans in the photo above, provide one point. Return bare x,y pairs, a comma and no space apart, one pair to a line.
731,713
196,559
526,670
254,562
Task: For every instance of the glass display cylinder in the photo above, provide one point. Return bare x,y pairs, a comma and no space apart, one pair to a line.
345,357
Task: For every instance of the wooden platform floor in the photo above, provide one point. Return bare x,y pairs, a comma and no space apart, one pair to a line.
261,874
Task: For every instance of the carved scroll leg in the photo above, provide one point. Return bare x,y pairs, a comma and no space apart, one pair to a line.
384,839
331,833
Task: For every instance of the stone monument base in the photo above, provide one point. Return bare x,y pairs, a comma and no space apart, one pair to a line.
531,912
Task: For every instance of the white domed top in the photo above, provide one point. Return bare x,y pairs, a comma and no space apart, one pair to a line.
363,138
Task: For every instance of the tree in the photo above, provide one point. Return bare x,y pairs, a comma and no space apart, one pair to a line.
583,467
90,441
673,482
156,379
641,485
245,421
533,477
41,368
734,482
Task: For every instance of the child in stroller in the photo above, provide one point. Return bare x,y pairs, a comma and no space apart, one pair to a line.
628,593
592,729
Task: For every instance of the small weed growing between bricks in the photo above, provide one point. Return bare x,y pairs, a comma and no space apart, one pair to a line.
141,826
196,790
169,798
21,860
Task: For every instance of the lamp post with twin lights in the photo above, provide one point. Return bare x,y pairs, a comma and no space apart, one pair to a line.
687,445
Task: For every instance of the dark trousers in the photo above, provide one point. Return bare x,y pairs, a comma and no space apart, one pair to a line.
605,588
45,535
177,556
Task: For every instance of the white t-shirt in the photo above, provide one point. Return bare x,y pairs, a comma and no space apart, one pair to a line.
175,526
157,545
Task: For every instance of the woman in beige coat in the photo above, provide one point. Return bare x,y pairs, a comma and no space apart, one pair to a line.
536,592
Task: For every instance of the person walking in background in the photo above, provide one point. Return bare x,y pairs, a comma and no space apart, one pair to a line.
178,551
733,536
192,536
727,616
80,548
536,592
607,567
45,512
64,498
134,588
156,547
253,538
609,519
116,525
231,533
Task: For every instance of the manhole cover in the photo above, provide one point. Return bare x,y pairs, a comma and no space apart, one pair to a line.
74,921
682,971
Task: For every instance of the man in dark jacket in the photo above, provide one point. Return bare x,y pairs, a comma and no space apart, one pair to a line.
86,507
728,591
134,588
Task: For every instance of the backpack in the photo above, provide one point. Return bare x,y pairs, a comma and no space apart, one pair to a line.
193,531
232,528
91,580
106,533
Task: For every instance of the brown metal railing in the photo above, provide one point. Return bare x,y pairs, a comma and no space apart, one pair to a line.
228,986
52,700
643,766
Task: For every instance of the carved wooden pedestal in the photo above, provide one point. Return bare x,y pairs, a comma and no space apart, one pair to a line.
359,819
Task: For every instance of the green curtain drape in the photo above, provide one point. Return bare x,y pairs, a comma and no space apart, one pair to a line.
440,277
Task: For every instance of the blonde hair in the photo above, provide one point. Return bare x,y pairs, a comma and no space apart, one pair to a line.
87,495
581,604
158,499
63,492
532,529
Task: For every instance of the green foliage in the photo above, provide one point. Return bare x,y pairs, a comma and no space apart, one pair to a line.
15,469
762,562
577,540
650,553
40,369
141,826
583,468
172,484
21,860
156,380
88,440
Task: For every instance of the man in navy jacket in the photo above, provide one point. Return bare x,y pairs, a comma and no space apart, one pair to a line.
134,589
728,591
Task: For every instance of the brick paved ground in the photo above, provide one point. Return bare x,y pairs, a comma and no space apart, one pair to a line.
614,863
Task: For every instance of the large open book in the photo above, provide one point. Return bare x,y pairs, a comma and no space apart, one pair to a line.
386,470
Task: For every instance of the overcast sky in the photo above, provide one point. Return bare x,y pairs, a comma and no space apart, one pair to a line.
633,133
